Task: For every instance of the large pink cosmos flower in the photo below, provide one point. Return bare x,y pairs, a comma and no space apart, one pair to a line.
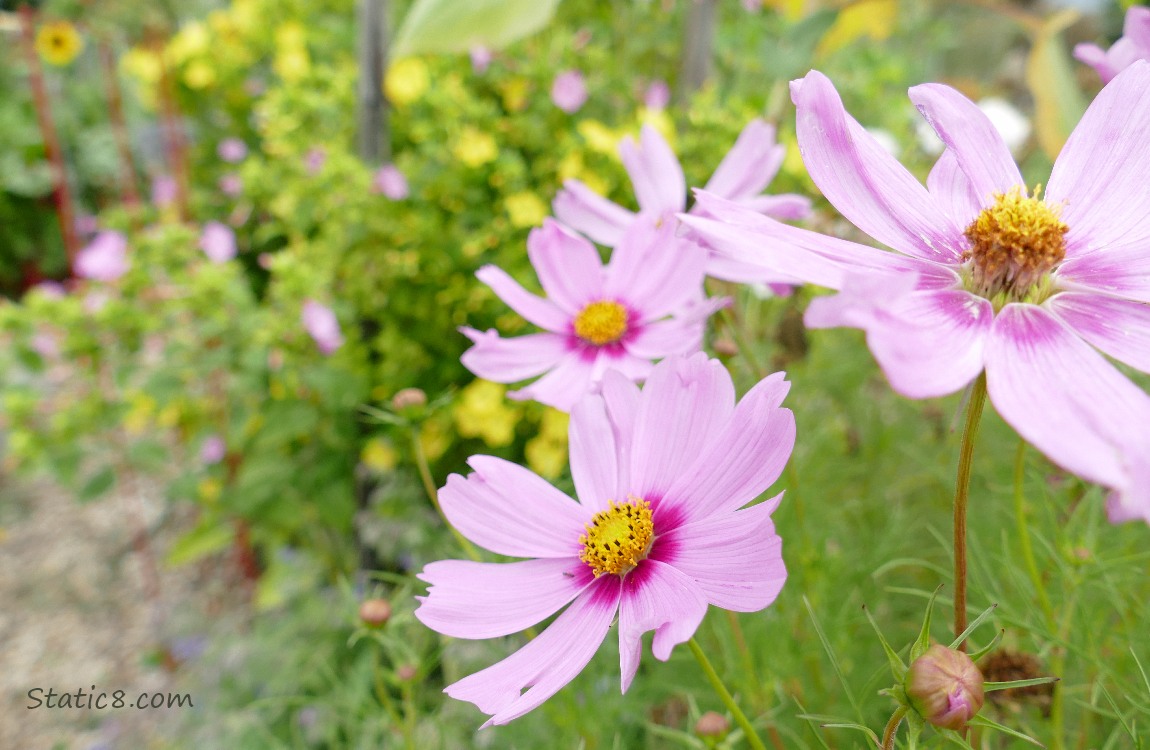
656,534
986,275
1134,45
647,303
661,188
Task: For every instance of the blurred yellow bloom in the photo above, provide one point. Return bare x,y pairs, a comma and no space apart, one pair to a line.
514,93
169,416
874,19
474,147
292,65
433,439
291,36
570,166
554,425
547,452
482,412
191,40
792,10
599,137
525,209
199,74
142,64
245,15
59,43
138,418
379,455
406,81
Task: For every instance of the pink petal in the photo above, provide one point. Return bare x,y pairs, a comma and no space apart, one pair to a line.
546,663
322,325
654,271
1100,175
656,597
751,163
931,343
686,403
594,455
863,181
618,359
952,189
537,310
979,149
655,172
585,211
735,558
105,258
665,338
568,266
511,360
1136,27
784,207
622,398
487,600
1118,327
1122,271
563,386
739,463
1069,402
507,509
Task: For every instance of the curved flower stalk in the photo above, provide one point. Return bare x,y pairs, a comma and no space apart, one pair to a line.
988,276
647,303
661,188
655,535
1134,45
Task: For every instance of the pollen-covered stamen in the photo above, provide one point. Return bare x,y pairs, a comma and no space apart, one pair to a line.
618,538
1014,244
601,323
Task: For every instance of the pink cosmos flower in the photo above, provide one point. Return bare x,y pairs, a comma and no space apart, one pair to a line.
231,184
655,535
105,258
647,303
218,242
569,91
481,57
986,275
232,150
657,96
390,182
1134,45
213,450
322,325
661,189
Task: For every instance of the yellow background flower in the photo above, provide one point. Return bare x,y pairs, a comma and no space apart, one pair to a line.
59,43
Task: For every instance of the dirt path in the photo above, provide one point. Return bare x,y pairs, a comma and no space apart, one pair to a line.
80,606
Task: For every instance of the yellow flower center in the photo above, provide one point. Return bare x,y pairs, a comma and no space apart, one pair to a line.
618,538
601,323
1014,245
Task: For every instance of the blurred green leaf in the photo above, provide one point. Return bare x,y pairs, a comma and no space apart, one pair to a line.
200,542
459,25
1058,104
99,483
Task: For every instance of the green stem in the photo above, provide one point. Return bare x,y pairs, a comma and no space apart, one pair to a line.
433,494
961,500
741,342
744,651
892,728
725,696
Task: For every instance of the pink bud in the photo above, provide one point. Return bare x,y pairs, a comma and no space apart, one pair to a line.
945,687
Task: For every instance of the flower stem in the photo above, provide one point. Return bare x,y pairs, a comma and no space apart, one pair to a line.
433,494
725,695
891,730
961,500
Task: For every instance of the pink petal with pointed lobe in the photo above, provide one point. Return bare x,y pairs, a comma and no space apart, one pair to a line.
656,597
511,360
594,454
561,388
509,510
1118,327
486,600
750,165
542,312
654,271
952,190
568,266
585,211
546,663
655,172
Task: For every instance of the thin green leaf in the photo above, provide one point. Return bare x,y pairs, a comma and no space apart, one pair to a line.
970,628
922,643
896,665
834,660
982,721
436,26
988,647
990,687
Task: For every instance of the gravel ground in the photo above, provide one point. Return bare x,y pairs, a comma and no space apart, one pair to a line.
81,604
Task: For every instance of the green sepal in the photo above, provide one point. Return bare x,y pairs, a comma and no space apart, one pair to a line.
896,665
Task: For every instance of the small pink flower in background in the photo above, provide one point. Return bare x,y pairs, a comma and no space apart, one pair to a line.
218,242
569,91
105,258
213,450
661,190
988,277
46,344
390,182
655,536
1133,46
752,6
87,224
657,96
232,150
314,160
647,303
163,191
52,289
481,57
231,185
322,325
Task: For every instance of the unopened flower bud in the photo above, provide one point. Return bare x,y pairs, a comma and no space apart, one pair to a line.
726,348
712,724
375,612
408,397
406,672
945,687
